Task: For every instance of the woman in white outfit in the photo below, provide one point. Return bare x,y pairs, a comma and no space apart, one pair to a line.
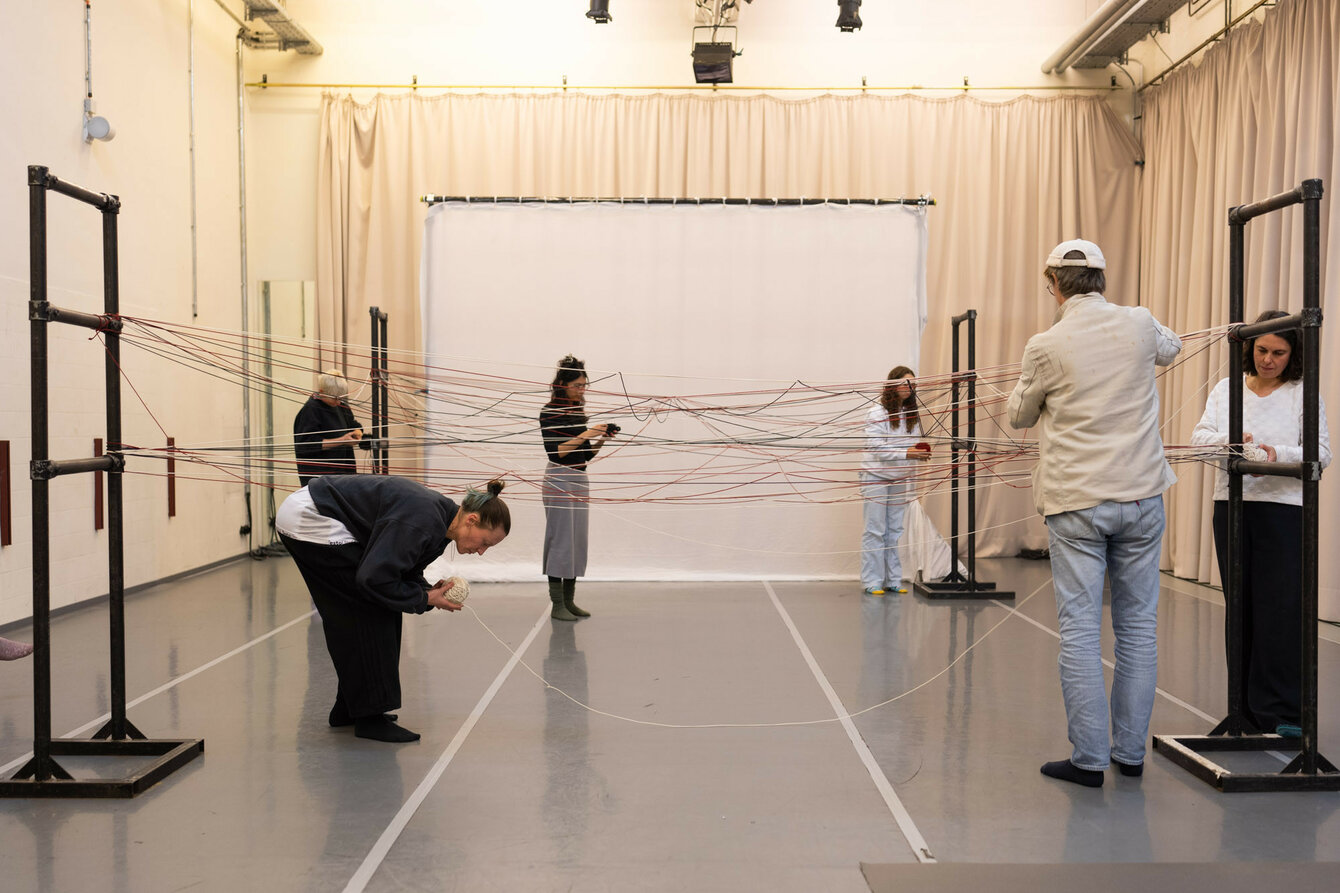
1272,523
892,446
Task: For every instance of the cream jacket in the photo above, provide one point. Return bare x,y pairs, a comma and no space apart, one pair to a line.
1088,384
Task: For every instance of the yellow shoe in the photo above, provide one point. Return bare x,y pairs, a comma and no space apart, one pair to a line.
875,592
900,591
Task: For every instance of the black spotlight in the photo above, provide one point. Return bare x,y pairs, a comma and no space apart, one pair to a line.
712,62
600,12
848,19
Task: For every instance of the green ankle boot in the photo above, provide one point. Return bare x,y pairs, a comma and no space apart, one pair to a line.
560,611
569,592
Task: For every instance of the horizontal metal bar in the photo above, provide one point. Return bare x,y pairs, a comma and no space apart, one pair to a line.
101,322
842,88
1275,469
1248,331
922,201
40,176
1243,213
963,317
46,469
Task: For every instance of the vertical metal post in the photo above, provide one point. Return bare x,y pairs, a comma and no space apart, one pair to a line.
375,377
1307,652
1234,724
118,727
972,449
953,457
37,258
383,438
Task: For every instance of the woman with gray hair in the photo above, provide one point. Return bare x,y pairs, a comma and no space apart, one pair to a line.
325,431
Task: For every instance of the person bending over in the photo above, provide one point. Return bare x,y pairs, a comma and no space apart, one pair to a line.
362,543
1088,383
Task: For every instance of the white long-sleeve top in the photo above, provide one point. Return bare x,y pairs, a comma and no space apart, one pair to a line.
1275,420
886,449
1088,383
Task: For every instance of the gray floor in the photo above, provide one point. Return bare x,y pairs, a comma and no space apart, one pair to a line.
735,777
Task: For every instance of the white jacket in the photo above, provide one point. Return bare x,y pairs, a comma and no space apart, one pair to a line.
885,449
1088,384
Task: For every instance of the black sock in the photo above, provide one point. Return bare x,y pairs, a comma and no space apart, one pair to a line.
379,728
1132,771
339,715
1068,771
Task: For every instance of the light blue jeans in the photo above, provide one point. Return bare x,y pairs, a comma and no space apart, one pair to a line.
885,505
1121,539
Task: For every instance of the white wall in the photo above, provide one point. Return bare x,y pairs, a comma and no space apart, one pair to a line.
140,81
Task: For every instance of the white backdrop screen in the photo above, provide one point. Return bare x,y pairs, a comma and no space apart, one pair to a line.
681,312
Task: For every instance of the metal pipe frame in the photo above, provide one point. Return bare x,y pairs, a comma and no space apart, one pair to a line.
42,776
379,376
1309,771
954,585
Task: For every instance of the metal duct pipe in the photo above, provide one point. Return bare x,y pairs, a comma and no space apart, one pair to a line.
1104,20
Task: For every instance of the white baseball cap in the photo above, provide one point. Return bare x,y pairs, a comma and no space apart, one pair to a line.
1093,256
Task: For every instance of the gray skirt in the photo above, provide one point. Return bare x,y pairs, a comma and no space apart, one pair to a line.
566,519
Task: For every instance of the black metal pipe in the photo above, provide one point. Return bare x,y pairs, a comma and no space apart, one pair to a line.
1233,622
1307,652
99,200
1241,333
1242,213
98,321
37,278
116,576
972,449
46,469
953,452
1300,470
383,436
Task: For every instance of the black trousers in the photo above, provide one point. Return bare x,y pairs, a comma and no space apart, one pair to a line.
363,638
1272,607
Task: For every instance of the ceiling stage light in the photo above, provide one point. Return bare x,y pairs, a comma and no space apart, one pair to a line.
712,62
848,19
600,12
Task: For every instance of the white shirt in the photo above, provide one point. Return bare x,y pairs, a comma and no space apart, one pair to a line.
1088,384
886,449
1275,420
298,519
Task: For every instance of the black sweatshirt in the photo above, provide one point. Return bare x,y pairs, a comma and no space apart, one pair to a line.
402,527
315,422
560,423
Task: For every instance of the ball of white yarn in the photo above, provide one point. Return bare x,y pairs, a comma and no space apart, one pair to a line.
458,592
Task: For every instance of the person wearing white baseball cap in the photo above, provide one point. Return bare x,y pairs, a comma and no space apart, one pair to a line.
1088,384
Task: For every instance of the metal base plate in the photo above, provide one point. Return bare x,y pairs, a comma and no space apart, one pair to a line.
172,755
1188,751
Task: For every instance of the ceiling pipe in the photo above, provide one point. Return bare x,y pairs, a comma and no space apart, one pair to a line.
1107,17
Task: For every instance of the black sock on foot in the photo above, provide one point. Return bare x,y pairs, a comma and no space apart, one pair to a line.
1068,771
1131,771
379,728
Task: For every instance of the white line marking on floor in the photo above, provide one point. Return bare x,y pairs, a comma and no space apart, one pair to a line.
920,850
89,726
384,843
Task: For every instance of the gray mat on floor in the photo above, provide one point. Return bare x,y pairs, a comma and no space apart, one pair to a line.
1111,877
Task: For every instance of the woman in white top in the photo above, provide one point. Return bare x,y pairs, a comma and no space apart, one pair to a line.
1272,522
892,445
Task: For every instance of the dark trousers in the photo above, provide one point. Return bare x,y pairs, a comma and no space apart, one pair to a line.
363,638
1272,607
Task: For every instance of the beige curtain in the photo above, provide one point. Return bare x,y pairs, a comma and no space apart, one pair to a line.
1010,181
1256,118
